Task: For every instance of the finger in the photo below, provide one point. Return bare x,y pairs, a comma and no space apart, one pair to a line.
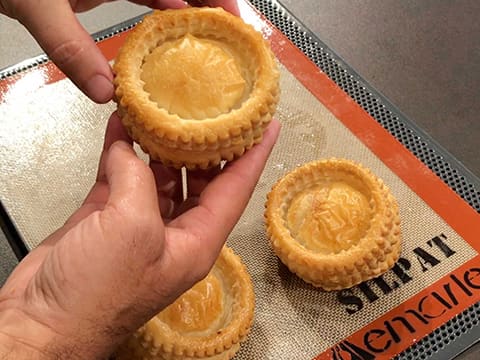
57,30
228,5
167,180
161,4
224,199
115,131
98,194
197,180
131,183
196,3
132,209
84,5
169,188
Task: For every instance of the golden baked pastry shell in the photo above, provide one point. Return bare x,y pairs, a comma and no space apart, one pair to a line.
159,340
201,141
374,248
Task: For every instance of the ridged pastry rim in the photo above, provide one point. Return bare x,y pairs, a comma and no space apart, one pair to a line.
374,254
173,345
134,101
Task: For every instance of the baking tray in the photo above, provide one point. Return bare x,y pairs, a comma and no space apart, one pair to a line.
455,335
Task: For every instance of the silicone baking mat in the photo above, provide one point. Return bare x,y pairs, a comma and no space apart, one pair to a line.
50,141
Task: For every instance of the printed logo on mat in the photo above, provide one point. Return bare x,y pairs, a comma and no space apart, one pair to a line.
395,331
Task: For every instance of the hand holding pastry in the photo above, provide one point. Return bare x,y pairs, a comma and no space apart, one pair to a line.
57,30
127,253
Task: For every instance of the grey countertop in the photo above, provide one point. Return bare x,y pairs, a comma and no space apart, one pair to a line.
424,56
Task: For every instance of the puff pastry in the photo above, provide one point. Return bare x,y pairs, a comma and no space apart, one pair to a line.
333,223
209,321
195,86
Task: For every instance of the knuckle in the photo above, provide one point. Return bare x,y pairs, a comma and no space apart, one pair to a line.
145,225
66,52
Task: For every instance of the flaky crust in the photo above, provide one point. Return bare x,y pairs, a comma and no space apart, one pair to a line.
204,143
157,340
372,254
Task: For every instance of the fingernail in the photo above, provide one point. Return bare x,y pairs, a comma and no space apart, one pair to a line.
99,88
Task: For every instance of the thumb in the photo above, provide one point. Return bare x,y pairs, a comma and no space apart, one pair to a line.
132,211
58,31
131,182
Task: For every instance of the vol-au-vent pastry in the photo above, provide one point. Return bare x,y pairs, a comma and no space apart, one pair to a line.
209,321
333,223
195,86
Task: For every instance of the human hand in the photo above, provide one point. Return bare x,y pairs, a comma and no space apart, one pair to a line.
128,252
57,30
